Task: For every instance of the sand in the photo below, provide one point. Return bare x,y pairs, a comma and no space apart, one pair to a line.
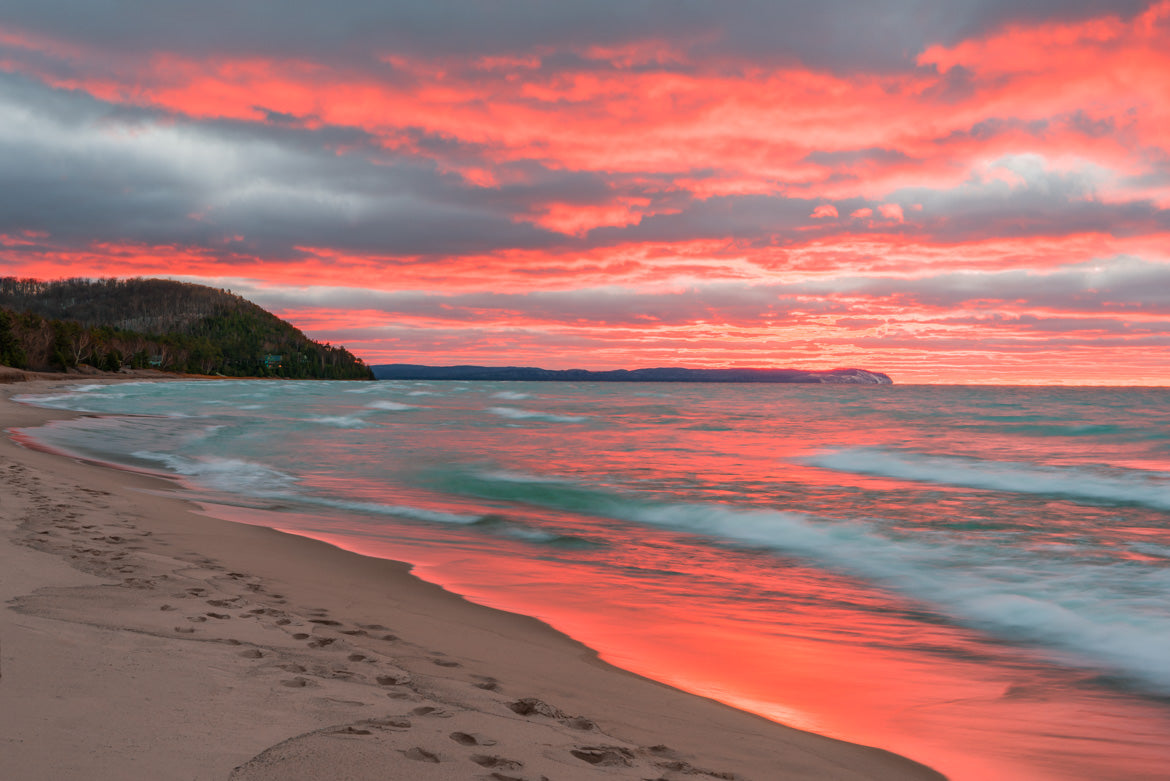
142,639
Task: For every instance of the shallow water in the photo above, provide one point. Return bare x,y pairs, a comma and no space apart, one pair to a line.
977,578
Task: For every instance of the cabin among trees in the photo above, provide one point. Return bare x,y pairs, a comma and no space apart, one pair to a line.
155,323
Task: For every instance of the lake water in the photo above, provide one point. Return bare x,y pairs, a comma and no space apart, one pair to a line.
974,577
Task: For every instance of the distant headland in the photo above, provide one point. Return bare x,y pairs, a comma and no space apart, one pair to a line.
408,371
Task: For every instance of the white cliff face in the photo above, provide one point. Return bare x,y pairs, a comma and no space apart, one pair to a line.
856,377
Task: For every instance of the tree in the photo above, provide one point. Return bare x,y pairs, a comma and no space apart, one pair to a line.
11,351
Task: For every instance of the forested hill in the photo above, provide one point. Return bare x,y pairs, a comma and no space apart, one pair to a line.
159,323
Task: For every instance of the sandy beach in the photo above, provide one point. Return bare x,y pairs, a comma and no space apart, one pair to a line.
142,639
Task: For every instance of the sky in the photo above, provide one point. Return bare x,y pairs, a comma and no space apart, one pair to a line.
971,191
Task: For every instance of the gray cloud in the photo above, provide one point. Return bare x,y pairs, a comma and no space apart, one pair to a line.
610,306
83,170
1111,288
1119,285
834,34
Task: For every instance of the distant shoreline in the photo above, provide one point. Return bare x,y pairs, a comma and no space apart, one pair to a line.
407,371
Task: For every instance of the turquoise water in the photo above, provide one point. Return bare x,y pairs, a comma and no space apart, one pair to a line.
978,578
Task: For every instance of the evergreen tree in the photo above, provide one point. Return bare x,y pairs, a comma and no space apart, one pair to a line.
11,350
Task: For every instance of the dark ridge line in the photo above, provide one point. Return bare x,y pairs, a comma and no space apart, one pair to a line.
407,371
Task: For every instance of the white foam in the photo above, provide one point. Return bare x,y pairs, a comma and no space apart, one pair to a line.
78,402
512,395
389,406
1110,485
52,401
340,421
232,475
527,414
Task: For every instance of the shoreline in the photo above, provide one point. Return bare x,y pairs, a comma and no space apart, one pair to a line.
160,642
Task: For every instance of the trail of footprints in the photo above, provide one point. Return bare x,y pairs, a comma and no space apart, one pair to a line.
309,653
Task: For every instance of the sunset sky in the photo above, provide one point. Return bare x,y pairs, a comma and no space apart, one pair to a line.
946,190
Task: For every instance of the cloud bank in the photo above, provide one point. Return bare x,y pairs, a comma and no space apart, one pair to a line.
930,189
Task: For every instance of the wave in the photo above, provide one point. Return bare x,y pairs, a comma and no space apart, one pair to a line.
249,478
1120,486
397,510
504,527
1110,615
230,475
340,421
389,406
511,395
76,401
527,414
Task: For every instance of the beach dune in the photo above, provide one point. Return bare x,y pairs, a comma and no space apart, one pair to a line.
140,638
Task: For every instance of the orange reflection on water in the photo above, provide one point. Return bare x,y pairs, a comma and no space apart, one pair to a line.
816,668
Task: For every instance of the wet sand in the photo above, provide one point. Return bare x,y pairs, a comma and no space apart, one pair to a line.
140,638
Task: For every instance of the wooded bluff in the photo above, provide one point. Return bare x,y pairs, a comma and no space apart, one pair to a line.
157,323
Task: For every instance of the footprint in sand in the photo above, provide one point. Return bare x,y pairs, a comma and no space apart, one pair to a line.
485,760
581,723
420,755
391,723
529,706
296,683
466,739
487,683
604,756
